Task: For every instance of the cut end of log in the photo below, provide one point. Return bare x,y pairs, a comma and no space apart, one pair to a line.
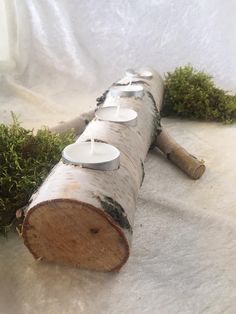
199,172
74,233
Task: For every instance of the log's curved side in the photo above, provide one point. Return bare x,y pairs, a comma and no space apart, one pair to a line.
85,217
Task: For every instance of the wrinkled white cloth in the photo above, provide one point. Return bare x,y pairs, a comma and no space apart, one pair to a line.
184,243
65,51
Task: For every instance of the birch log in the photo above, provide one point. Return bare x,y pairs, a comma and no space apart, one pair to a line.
85,217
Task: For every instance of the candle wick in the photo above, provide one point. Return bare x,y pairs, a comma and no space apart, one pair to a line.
92,145
118,110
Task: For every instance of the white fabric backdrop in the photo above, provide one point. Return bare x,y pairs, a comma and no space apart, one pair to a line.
94,41
66,50
184,249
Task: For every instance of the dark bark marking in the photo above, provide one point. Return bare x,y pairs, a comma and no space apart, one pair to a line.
116,211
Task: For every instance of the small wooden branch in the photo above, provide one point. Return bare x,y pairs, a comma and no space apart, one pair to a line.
78,124
189,164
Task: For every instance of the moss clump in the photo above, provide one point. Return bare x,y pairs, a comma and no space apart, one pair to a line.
25,160
192,94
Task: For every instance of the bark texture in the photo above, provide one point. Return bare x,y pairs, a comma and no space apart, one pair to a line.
85,217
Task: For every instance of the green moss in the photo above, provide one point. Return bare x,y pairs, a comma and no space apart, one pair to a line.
25,160
116,211
192,94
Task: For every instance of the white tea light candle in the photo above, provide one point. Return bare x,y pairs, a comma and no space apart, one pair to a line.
102,157
127,91
146,74
131,73
117,114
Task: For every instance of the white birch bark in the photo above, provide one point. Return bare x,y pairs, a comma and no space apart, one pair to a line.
53,229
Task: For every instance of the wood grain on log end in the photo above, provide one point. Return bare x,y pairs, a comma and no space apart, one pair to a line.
199,172
71,232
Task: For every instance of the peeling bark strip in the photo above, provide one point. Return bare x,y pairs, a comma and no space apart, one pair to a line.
112,208
96,140
84,217
100,100
157,117
143,175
